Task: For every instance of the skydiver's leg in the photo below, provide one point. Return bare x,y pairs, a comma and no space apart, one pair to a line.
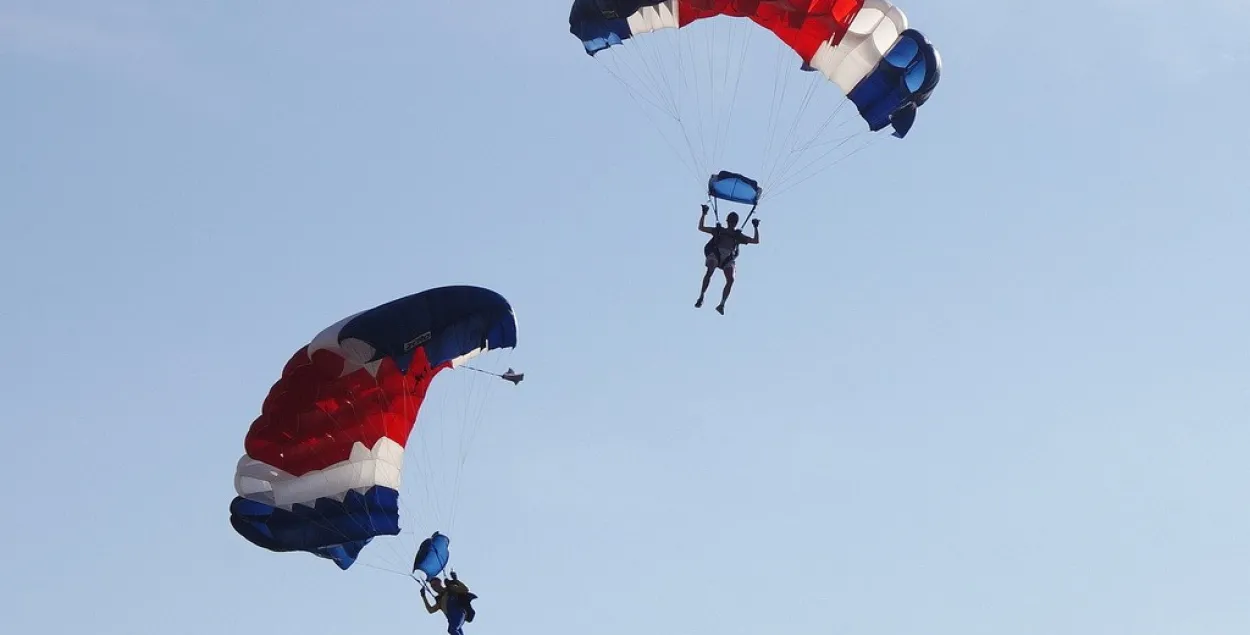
729,285
455,620
707,280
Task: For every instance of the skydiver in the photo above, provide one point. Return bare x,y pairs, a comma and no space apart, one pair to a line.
721,251
454,600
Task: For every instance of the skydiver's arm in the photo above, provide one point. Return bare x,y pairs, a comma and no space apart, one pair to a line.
703,225
429,607
754,240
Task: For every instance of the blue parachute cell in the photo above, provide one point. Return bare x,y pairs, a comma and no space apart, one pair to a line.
328,528
432,555
902,81
455,320
593,23
730,186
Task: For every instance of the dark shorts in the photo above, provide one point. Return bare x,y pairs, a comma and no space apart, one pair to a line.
714,261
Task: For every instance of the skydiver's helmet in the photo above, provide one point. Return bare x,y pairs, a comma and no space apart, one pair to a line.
732,220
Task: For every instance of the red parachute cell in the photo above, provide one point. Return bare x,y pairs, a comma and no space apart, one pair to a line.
802,24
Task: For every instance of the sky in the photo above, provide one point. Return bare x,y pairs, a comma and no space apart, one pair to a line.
988,379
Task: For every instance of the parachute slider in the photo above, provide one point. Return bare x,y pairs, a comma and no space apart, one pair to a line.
431,556
734,187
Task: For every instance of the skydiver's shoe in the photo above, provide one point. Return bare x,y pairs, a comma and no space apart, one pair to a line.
698,303
720,308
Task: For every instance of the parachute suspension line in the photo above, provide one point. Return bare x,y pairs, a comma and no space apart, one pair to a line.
636,94
711,90
653,46
790,184
655,96
473,424
641,101
774,107
410,540
800,152
791,141
425,470
657,72
750,214
385,570
815,142
617,64
723,128
698,99
396,545
465,423
820,131
471,415
681,45
440,479
425,585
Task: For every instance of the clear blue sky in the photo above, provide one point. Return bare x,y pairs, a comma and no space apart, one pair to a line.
1011,397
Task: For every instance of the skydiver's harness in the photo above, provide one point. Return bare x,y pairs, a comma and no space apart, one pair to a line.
710,249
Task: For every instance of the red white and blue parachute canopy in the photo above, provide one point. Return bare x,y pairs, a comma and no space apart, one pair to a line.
859,45
322,467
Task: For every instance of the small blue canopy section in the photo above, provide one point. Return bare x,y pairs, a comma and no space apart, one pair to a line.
432,555
600,24
331,529
730,186
447,322
901,83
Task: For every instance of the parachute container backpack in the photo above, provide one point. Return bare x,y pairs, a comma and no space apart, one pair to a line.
322,467
824,75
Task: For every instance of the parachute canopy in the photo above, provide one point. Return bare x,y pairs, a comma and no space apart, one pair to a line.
321,472
730,186
683,63
854,43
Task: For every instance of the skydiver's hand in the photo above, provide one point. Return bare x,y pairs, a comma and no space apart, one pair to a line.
755,222
704,208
